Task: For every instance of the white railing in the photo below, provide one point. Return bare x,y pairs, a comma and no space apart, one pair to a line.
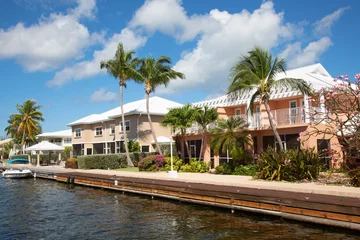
288,116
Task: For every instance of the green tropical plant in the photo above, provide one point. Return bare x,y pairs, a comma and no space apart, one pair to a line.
122,67
256,73
180,119
67,151
195,166
153,73
134,146
230,135
204,117
26,123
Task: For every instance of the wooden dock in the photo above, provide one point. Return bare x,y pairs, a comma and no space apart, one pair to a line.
326,209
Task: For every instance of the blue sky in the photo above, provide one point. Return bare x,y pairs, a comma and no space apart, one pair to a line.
50,50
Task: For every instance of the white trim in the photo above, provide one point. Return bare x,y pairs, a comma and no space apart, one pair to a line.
236,110
146,146
295,101
75,132
110,133
120,124
95,133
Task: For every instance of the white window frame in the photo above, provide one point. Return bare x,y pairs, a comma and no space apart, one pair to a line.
237,109
98,135
112,126
75,131
120,123
67,140
145,146
293,101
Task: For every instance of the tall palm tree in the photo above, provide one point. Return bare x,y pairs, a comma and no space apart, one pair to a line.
204,117
25,124
122,67
230,135
180,119
257,72
152,73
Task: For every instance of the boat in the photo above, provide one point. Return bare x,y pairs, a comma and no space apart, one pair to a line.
16,173
18,160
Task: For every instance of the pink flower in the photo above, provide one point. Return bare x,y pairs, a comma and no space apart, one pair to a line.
298,139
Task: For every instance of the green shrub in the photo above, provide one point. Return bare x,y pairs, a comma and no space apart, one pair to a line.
19,156
195,166
108,161
225,168
133,146
291,165
246,170
355,177
71,163
165,149
177,163
151,163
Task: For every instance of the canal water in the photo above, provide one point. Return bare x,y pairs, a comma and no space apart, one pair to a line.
42,209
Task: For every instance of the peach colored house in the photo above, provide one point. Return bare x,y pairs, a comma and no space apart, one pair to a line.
102,133
290,110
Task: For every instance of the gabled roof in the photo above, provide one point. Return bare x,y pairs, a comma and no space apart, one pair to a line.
63,133
44,146
316,75
157,106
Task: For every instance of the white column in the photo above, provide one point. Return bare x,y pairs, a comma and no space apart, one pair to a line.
248,114
38,158
306,109
59,156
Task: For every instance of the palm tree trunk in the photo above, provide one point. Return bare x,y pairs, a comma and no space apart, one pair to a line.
151,125
187,147
22,141
129,162
202,144
272,125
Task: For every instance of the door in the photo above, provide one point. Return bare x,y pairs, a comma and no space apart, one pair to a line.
193,151
293,112
257,116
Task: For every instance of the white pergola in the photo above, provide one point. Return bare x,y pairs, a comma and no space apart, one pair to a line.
44,146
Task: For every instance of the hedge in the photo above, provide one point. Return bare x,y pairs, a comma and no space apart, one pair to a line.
109,161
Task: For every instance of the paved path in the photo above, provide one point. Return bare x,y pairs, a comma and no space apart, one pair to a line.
227,180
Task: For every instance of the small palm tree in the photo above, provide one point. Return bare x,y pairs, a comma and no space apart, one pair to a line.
123,68
25,124
153,73
180,119
204,117
257,72
230,134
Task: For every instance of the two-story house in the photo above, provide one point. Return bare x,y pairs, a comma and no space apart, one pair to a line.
103,133
290,111
61,138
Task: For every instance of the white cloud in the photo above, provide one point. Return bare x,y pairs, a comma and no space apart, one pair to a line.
50,42
222,39
102,95
297,57
323,26
86,69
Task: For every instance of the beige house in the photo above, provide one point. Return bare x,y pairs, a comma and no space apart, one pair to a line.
103,134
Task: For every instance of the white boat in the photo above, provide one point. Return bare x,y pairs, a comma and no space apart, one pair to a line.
16,173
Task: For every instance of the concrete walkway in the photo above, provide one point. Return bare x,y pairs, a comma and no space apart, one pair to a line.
225,180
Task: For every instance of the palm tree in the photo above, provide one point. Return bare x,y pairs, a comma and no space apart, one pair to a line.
123,68
204,117
230,134
25,124
257,72
180,119
153,73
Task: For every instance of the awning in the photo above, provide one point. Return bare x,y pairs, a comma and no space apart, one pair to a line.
162,139
45,146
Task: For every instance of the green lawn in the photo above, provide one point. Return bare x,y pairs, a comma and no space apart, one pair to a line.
128,169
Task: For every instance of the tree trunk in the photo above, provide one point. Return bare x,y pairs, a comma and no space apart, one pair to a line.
202,144
150,122
22,141
129,162
187,147
272,125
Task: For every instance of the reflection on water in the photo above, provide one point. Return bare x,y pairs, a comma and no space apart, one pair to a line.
41,209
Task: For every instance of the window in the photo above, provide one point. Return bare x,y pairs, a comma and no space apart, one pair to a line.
67,140
145,149
98,131
127,126
120,148
237,112
78,132
112,129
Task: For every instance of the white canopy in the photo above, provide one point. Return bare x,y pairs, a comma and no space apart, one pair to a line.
162,139
44,146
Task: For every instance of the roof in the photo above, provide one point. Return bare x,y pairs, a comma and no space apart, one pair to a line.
45,146
316,75
5,141
157,106
63,133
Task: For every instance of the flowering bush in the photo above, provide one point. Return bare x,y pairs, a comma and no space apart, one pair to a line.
152,163
338,108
